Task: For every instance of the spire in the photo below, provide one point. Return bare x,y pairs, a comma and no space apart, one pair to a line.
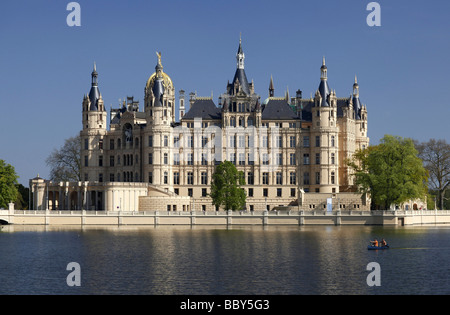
356,88
240,56
94,93
323,70
271,88
356,101
159,66
288,99
324,88
94,75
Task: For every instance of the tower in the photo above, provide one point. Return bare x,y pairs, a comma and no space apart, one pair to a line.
324,137
271,88
160,114
93,133
182,109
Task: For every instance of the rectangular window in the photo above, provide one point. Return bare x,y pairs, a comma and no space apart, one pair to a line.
204,192
176,142
241,141
166,141
111,160
100,144
265,158
306,178
265,178
241,158
111,177
150,177
250,192
317,158
250,179
306,141
150,141
204,159
190,178
204,178
86,159
190,159
265,192
317,141
111,144
293,178
318,178
292,141
150,158
306,159
279,158
292,160
293,192
86,144
176,159
279,190
176,178
279,178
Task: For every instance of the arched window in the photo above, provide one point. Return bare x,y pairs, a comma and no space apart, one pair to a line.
332,141
332,178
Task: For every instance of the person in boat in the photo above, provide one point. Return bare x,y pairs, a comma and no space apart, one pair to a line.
374,243
383,242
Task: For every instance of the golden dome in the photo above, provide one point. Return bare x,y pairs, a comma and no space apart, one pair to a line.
167,81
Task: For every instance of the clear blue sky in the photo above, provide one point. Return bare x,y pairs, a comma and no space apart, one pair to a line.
45,66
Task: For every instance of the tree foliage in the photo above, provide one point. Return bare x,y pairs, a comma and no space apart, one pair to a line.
226,188
65,163
8,182
390,172
436,159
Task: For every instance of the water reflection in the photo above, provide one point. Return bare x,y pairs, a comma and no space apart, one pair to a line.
218,260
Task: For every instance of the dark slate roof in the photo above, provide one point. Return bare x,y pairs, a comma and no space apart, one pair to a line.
204,109
357,106
240,75
278,110
158,92
94,95
324,91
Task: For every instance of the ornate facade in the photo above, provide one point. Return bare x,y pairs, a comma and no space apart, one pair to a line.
290,149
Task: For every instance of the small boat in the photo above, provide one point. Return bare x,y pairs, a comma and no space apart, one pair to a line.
370,247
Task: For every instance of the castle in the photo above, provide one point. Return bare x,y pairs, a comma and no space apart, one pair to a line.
292,150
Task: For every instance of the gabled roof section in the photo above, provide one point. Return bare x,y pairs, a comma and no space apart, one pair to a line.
203,108
278,109
243,82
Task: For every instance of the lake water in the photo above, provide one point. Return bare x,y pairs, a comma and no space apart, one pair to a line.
221,261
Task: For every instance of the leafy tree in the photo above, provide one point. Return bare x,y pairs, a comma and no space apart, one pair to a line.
226,188
436,159
8,182
65,163
390,172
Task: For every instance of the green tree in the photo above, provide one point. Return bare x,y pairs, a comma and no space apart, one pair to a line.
390,172
226,188
65,163
8,182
